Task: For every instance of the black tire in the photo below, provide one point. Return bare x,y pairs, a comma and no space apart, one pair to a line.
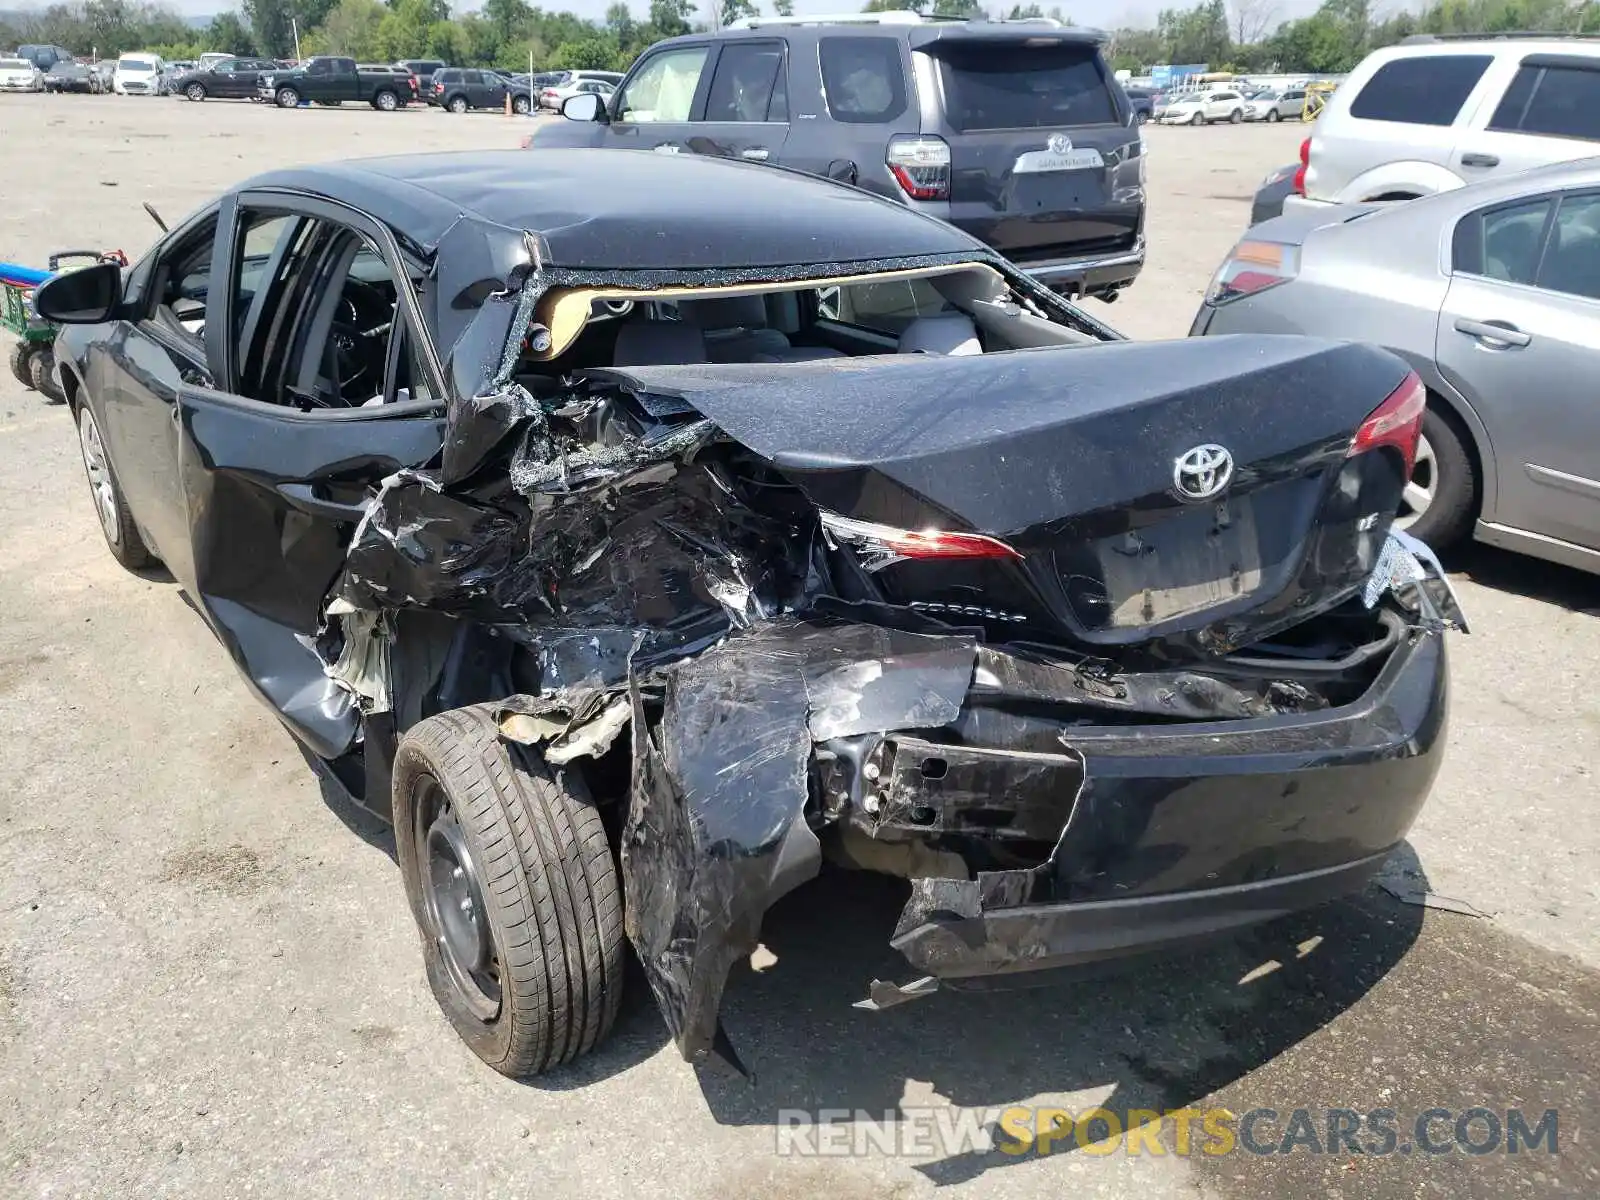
22,362
539,880
196,92
521,105
1235,116
41,373
457,104
287,97
386,102
121,534
1273,116
1449,516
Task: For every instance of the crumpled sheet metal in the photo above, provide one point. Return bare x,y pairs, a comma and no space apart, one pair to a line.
717,830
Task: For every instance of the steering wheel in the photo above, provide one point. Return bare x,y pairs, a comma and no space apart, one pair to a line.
364,317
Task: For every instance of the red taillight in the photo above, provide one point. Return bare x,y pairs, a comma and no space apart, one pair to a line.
1396,422
438,89
1305,161
880,545
921,166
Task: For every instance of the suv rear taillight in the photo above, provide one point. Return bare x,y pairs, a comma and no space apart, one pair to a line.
921,166
1396,422
1253,267
438,89
1305,161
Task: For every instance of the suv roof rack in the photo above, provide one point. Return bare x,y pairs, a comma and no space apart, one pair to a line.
1552,35
894,16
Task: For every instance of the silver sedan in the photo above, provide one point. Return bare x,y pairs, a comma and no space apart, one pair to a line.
1492,293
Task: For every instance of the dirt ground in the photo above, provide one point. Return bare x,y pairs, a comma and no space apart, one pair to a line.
209,981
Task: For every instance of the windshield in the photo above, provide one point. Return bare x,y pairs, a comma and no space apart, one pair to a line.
135,65
15,64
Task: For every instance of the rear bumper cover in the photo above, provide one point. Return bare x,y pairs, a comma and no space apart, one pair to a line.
1175,832
1090,273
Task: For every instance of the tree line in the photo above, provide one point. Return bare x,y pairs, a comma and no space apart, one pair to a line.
1243,35
1248,37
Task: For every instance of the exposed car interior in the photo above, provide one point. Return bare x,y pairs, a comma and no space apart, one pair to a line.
945,311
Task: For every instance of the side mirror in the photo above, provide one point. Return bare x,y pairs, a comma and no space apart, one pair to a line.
585,106
86,296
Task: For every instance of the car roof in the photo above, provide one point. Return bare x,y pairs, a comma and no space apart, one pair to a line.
1512,46
630,209
920,34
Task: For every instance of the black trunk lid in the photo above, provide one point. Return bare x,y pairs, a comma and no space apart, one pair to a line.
1071,456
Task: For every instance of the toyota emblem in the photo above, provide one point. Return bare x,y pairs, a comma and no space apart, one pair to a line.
1059,143
1203,472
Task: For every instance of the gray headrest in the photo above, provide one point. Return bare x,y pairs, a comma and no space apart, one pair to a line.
725,312
658,343
947,333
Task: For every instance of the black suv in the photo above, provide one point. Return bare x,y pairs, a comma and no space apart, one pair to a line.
1014,131
458,89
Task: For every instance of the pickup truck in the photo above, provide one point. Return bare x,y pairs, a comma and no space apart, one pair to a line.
330,80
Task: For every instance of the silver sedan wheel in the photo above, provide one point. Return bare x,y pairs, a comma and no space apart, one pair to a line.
1420,488
99,472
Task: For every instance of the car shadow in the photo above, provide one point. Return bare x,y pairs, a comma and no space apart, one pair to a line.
1522,575
1154,1034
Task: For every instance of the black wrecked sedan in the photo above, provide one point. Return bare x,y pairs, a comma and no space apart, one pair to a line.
638,532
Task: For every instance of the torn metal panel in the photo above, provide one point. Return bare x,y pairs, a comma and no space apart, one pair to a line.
583,724
718,828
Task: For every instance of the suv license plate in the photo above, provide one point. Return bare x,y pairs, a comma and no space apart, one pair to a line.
1039,161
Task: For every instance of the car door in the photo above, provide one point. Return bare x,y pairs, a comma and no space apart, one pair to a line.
491,91
1220,104
1519,337
1293,103
1550,112
275,484
138,370
653,109
224,80
746,112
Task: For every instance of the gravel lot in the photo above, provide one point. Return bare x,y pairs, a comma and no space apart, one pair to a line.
208,979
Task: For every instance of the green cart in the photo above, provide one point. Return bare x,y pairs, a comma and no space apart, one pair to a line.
32,358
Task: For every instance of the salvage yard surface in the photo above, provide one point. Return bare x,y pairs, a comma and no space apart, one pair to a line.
209,980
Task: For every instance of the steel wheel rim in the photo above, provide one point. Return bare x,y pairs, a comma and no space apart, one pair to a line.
456,918
99,472
1421,489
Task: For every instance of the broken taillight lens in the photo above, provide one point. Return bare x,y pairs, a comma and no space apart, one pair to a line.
1396,422
1305,161
879,546
921,166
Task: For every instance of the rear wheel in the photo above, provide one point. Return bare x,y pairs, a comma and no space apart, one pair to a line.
127,547
22,363
1442,493
520,105
288,98
41,375
510,878
386,102
457,104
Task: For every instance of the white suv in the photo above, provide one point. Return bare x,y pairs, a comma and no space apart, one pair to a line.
1432,114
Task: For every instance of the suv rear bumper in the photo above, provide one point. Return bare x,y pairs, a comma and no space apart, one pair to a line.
1089,273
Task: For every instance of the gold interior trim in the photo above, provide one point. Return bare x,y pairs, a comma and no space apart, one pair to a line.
565,311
